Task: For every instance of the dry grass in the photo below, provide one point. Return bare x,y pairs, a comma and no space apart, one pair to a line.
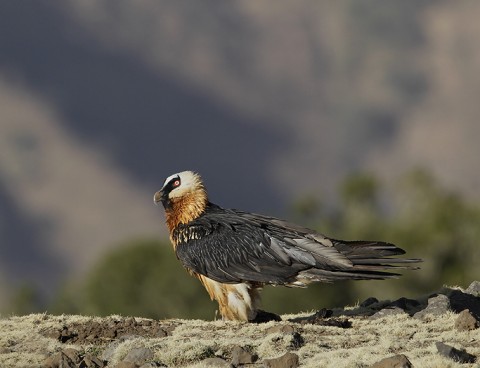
367,341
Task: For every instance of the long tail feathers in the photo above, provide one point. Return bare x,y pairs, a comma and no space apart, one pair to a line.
370,260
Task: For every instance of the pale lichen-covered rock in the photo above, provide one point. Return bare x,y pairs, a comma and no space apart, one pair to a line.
466,321
287,360
474,289
387,312
397,361
241,356
139,355
437,305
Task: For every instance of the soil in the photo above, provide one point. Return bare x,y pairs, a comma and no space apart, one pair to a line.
93,332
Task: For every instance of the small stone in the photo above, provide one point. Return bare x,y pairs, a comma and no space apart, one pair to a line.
139,355
396,361
282,329
457,355
54,333
368,302
66,335
323,313
169,330
110,349
287,360
437,305
215,362
385,312
466,321
130,321
474,289
241,356
157,331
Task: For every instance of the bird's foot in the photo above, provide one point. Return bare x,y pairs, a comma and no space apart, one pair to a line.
264,317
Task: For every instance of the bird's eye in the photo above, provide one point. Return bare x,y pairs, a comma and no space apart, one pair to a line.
176,183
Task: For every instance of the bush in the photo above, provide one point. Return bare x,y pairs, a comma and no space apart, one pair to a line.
140,278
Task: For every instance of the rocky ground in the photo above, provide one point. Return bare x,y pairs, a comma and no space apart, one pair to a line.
441,330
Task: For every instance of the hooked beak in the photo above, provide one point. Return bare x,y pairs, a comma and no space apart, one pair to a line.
157,197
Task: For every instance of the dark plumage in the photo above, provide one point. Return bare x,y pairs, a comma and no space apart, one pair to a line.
235,253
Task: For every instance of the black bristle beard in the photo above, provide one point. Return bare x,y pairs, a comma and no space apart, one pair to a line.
167,203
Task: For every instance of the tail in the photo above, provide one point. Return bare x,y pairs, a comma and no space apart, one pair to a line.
370,260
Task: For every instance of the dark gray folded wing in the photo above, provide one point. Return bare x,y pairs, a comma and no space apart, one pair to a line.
242,253
231,246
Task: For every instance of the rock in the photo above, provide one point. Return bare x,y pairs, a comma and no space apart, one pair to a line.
396,361
322,318
73,354
241,356
287,360
319,315
90,361
410,306
368,302
152,365
296,341
110,349
59,360
283,329
474,289
215,362
73,358
437,305
264,317
460,356
387,312
466,321
125,364
139,355
460,301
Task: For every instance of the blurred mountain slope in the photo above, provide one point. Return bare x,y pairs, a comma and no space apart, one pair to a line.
61,205
442,130
340,75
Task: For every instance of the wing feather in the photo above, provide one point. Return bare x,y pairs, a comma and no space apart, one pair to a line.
231,246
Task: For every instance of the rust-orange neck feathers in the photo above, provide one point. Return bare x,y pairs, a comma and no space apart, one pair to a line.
186,208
